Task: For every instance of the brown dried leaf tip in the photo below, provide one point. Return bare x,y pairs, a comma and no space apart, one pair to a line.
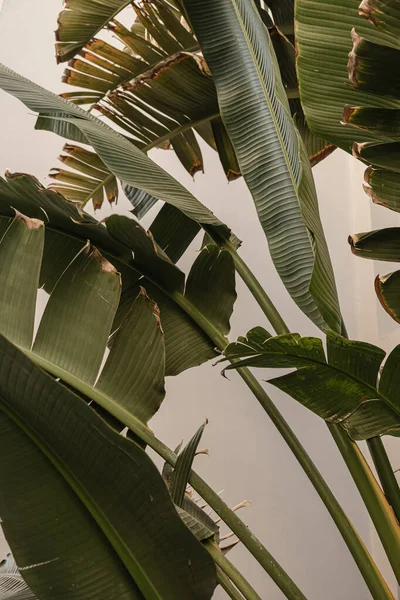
370,12
106,266
352,62
30,223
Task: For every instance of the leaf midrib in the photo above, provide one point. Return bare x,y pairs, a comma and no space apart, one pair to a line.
377,393
255,63
120,547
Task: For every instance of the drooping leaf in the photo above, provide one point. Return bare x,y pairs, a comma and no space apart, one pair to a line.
127,504
383,187
123,159
210,289
210,286
386,156
65,336
270,152
141,201
90,179
21,250
67,232
134,371
180,475
80,21
384,123
342,388
381,244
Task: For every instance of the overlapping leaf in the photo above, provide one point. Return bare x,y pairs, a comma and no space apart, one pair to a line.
156,94
362,46
132,378
324,43
343,388
115,527
80,21
271,154
210,289
122,157
153,48
89,178
66,234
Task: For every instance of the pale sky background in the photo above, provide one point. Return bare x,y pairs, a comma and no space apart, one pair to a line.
248,459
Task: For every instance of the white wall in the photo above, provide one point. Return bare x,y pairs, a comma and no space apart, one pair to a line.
248,459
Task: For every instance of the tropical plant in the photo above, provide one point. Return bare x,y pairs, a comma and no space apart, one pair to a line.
121,315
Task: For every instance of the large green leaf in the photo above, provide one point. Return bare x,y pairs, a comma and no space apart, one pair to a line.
210,289
65,335
70,347
21,251
157,91
270,152
343,388
67,232
127,504
122,157
133,374
80,20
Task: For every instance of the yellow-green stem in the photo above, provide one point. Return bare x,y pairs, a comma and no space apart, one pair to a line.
385,473
370,572
380,512
231,571
227,585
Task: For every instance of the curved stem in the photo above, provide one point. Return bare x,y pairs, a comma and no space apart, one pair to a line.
380,512
231,571
227,585
258,292
385,472
363,559
238,527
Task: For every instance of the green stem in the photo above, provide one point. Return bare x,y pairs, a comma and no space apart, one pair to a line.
363,559
258,292
385,473
231,571
227,585
380,512
238,527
